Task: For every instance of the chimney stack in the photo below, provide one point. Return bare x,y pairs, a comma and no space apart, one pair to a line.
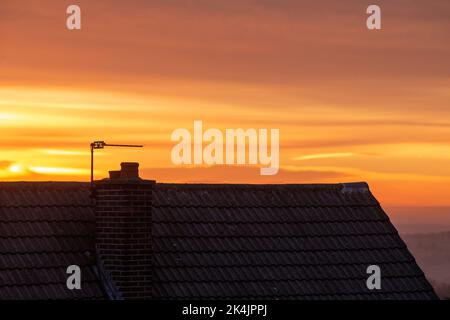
123,212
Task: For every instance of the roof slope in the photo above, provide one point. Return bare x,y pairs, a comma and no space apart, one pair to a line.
44,228
278,241
214,241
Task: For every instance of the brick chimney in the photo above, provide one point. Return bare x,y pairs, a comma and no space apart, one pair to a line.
123,213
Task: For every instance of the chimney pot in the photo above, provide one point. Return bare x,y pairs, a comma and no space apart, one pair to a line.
129,170
114,175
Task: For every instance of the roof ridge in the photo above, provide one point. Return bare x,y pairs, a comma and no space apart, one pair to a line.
355,187
187,184
312,186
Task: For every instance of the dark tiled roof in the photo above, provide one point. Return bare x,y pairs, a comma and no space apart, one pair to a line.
44,228
214,241
277,241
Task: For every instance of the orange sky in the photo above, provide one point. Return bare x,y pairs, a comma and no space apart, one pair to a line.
351,104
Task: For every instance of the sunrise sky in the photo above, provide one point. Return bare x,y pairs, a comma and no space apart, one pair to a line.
351,104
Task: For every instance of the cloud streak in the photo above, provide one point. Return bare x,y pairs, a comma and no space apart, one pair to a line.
325,156
352,104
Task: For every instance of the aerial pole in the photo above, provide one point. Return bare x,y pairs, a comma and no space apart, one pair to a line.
101,145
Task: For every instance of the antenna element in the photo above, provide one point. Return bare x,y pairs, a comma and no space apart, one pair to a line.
101,145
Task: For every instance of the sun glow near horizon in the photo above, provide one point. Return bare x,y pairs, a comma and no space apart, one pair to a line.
45,151
362,113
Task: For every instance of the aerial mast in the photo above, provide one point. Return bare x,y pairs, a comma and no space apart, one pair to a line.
101,145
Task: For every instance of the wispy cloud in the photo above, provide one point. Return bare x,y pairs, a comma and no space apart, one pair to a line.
363,112
4,164
325,156
59,171
55,152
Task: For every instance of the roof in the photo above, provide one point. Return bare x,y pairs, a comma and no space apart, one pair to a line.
214,241
44,228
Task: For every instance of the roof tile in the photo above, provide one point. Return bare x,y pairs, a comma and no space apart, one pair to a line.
214,241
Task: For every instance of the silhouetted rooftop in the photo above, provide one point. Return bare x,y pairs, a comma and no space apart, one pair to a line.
213,241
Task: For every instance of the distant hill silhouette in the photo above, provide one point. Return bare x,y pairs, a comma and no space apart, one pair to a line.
432,253
415,220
